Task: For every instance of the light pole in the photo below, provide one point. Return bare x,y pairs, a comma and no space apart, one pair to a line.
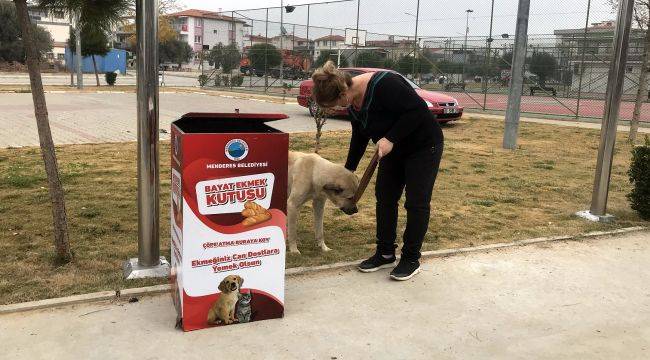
468,11
149,263
615,82
281,38
415,43
288,9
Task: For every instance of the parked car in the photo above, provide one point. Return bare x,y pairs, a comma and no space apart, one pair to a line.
445,108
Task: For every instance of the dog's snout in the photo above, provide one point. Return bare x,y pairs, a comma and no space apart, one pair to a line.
233,286
350,210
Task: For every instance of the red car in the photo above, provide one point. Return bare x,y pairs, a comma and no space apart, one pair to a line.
445,107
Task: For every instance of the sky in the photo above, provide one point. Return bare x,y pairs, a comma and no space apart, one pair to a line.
444,18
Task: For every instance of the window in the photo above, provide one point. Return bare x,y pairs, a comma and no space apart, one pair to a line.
198,22
50,56
216,32
576,69
629,69
197,39
60,56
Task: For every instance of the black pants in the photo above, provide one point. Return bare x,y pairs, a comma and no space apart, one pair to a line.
417,172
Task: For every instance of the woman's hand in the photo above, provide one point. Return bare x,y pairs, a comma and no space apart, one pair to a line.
384,146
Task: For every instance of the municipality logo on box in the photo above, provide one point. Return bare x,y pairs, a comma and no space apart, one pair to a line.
226,196
236,149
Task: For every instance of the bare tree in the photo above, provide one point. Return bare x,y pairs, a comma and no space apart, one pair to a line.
320,119
33,58
642,20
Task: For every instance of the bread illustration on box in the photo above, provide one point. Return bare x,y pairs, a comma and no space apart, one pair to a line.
254,214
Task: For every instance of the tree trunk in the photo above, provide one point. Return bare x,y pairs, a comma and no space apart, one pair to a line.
61,240
642,94
95,66
320,121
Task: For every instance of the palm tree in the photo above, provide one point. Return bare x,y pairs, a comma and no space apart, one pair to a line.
99,13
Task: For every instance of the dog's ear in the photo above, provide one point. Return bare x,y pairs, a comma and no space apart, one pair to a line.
240,280
222,286
333,187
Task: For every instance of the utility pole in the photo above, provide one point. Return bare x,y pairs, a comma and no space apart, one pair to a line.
513,109
416,52
488,54
281,38
615,81
356,43
582,60
80,74
468,11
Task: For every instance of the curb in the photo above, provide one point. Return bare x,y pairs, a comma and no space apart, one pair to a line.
83,299
240,95
348,265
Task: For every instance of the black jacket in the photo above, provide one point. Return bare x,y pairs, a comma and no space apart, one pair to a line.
392,109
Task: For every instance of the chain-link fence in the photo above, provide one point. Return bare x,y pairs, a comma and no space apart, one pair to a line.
274,49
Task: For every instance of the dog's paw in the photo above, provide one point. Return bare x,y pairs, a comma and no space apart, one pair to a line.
294,251
324,248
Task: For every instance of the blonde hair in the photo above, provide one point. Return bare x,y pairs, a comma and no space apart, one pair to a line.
329,84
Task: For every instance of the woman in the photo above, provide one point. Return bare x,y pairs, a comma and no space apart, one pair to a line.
385,108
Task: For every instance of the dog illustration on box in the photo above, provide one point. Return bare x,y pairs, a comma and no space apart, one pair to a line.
223,310
232,305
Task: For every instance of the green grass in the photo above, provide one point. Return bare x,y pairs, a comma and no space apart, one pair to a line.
483,195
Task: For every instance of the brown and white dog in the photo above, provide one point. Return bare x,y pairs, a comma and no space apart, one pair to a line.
313,178
223,310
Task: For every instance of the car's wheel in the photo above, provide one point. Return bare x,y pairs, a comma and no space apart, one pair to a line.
313,107
442,122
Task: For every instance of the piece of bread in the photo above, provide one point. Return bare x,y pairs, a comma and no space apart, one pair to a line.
254,214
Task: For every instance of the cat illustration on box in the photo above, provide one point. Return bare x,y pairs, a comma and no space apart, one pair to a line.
244,310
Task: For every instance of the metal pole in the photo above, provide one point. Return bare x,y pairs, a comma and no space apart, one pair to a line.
250,66
266,50
148,162
468,11
281,46
582,61
415,47
489,58
311,55
612,105
356,43
80,74
330,41
149,261
517,77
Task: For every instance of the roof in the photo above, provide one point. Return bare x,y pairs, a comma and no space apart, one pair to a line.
604,27
295,38
257,38
388,43
331,37
205,14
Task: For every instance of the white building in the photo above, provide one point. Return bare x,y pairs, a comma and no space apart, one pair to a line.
327,43
203,29
290,42
59,28
589,75
250,40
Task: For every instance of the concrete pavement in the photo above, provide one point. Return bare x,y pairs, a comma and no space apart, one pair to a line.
78,118
564,300
171,79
